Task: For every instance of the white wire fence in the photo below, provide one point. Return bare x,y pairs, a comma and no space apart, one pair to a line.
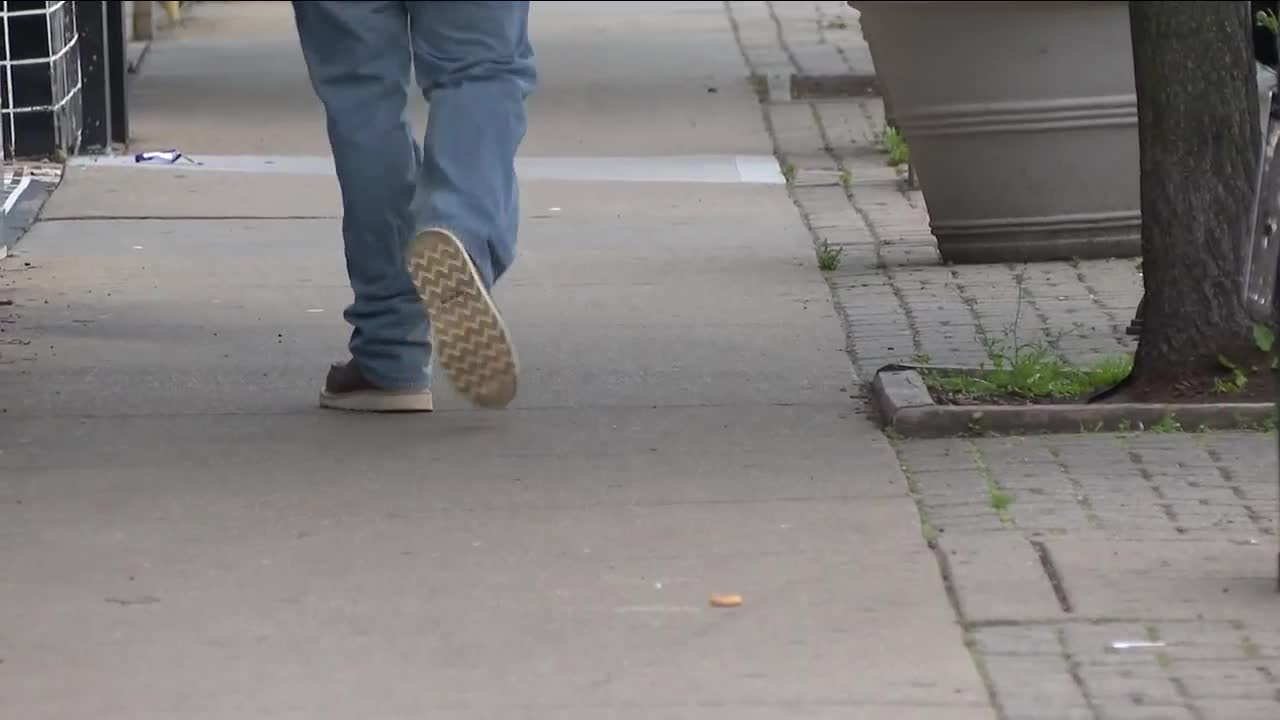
40,80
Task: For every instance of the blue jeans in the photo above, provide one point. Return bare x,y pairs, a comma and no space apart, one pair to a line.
475,67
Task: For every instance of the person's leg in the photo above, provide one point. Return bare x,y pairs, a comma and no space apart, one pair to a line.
476,67
358,57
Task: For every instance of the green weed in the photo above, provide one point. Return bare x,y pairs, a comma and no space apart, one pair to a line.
1032,372
829,257
1001,500
896,147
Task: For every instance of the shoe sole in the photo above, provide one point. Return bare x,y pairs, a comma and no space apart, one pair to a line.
378,402
470,341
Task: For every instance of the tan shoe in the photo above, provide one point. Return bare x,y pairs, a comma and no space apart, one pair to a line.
470,341
346,388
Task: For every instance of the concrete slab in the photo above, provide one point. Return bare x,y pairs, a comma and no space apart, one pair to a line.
115,192
543,458
685,89
207,312
688,93
258,100
587,605
101,190
723,169
304,186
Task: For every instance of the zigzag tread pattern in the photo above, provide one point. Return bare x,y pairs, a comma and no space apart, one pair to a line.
471,342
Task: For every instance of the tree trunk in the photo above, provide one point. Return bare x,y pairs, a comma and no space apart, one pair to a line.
1198,130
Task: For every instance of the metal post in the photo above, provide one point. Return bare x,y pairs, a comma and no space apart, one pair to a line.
109,146
103,64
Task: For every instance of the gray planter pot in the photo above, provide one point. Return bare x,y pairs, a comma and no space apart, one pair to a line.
1022,122
870,37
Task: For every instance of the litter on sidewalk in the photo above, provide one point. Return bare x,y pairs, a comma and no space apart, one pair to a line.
1136,645
158,157
726,601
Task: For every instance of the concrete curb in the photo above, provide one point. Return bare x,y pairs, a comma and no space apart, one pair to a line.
23,194
906,407
803,87
807,86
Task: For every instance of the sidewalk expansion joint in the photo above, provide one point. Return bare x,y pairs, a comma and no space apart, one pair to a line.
1052,574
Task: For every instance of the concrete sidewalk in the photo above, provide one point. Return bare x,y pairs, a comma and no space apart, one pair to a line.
186,535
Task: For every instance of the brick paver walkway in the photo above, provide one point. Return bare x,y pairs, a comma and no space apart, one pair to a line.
1099,576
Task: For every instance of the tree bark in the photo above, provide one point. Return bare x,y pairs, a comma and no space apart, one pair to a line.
1198,134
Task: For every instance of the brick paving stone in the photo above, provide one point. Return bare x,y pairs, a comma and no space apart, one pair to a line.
1265,645
1092,643
936,455
1018,640
1240,680
1130,687
1145,712
1239,710
1031,710
963,518
1038,687
855,131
